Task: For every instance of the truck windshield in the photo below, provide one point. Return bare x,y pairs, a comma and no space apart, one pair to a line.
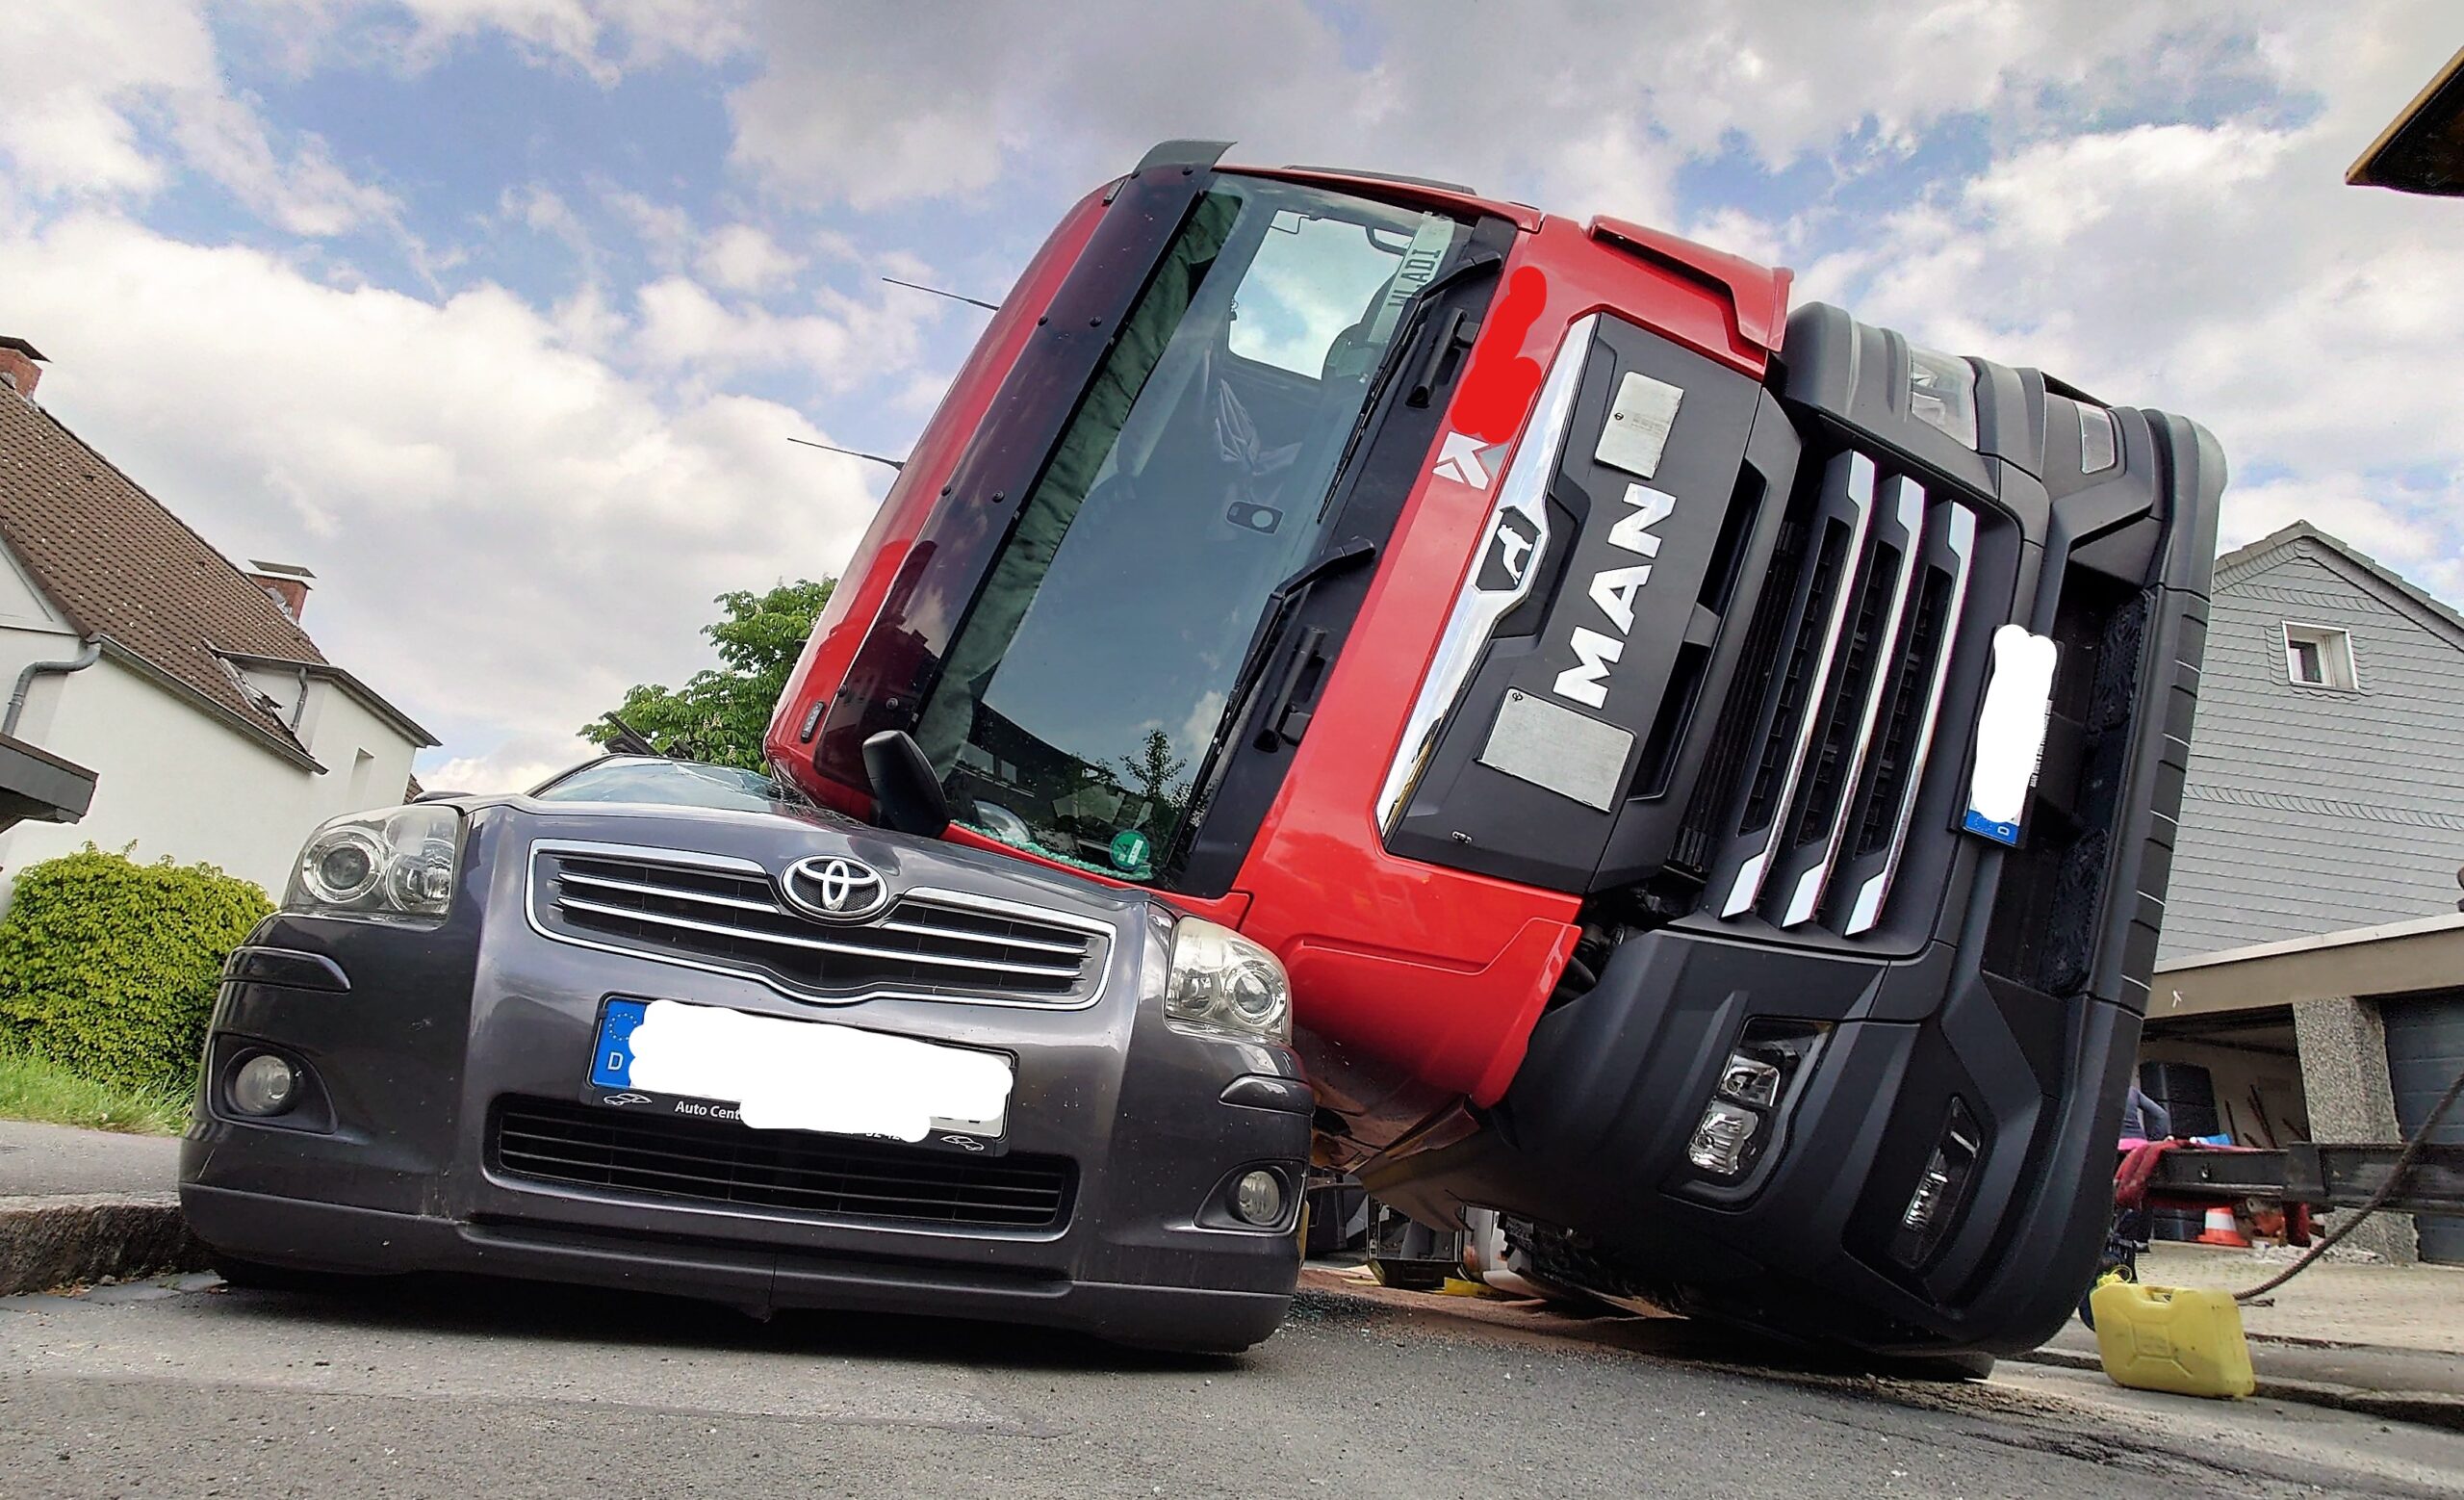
1088,678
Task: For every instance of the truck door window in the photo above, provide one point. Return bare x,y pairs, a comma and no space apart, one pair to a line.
1093,665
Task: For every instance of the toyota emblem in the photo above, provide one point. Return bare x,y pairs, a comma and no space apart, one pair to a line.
835,889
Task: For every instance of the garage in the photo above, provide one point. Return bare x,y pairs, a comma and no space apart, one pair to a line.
2424,1052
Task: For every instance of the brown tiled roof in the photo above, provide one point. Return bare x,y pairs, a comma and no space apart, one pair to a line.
121,566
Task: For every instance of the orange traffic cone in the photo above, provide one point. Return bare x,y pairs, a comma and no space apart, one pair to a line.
2223,1229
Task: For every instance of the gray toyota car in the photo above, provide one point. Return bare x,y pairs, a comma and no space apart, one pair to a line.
653,1025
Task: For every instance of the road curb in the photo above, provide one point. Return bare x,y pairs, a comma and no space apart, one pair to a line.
48,1242
2426,1408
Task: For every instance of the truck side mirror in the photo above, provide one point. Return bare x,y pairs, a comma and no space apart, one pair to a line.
904,786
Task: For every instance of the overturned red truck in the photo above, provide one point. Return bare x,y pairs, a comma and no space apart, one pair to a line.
1708,770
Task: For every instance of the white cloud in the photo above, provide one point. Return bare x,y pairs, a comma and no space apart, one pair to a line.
2226,271
665,230
874,106
85,79
744,258
604,39
517,765
508,531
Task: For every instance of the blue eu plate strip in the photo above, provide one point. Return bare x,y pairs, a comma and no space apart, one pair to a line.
611,1065
1985,827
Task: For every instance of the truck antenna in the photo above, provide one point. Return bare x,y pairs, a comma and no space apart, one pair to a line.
852,453
955,296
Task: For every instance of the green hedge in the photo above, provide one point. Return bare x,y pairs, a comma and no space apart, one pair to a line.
109,967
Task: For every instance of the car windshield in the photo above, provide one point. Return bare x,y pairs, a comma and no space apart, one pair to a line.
680,782
1085,686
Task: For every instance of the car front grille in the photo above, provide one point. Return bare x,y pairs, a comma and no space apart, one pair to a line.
1807,805
726,915
797,1171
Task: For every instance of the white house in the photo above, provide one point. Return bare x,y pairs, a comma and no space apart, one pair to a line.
215,729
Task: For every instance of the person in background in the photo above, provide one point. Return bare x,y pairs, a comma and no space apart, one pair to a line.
2143,1119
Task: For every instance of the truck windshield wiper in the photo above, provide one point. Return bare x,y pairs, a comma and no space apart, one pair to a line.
1343,557
1479,262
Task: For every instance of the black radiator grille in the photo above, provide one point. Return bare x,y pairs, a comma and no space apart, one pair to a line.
1828,782
1762,803
1806,797
1698,835
798,1172
1894,752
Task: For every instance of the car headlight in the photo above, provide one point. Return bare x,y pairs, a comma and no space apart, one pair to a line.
1222,983
392,865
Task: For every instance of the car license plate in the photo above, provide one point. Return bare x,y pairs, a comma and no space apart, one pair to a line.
773,1072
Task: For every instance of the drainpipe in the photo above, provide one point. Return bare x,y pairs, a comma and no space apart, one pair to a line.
84,659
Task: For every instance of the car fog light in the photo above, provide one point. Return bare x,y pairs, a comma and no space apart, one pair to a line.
1258,1198
1720,1141
264,1085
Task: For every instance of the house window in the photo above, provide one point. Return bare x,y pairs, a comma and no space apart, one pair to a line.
2316,656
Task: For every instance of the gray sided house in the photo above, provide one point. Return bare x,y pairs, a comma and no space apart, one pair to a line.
2326,778
2310,985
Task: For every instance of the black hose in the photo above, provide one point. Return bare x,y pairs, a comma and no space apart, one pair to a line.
2386,1190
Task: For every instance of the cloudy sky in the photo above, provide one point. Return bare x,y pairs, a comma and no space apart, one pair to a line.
498,314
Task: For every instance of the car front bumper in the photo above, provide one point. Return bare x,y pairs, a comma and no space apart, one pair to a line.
416,1043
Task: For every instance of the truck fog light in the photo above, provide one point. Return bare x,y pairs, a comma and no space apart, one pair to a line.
264,1085
1936,1200
1750,1080
1258,1198
1720,1141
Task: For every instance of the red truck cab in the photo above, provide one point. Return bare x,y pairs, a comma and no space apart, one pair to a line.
1588,679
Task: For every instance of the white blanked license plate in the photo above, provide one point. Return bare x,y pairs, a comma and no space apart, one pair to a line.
772,1073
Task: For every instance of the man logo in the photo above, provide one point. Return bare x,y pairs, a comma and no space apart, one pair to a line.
1612,590
835,889
1513,547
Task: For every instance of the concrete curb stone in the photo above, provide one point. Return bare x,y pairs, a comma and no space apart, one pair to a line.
2428,1408
57,1241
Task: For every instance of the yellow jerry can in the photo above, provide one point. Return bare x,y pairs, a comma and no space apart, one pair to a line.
2187,1340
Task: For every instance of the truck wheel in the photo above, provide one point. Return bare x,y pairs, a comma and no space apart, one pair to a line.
1940,1369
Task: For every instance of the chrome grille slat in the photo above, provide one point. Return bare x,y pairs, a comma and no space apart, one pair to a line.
1858,493
1960,539
958,934
1906,499
727,916
572,877
816,945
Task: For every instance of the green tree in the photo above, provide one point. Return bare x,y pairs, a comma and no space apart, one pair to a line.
719,713
1157,773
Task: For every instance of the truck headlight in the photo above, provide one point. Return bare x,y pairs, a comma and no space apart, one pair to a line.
1941,393
392,865
1220,982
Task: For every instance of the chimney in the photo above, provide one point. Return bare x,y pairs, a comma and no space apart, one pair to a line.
19,367
288,584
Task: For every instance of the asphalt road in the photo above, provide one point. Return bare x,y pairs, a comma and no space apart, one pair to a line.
471,1389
